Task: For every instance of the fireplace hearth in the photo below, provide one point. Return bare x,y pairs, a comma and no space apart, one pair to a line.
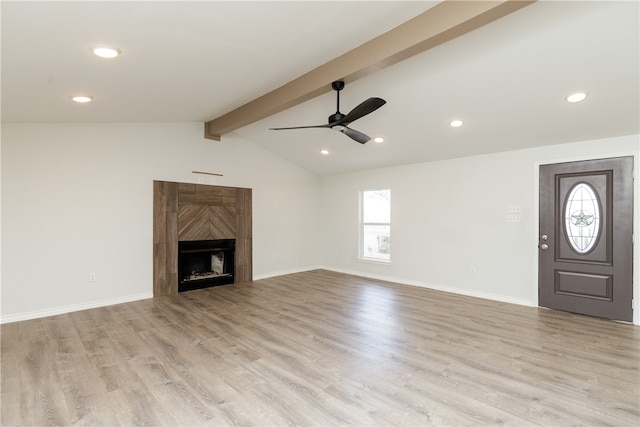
205,263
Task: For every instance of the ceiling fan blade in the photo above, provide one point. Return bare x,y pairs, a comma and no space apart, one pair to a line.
355,135
301,127
367,106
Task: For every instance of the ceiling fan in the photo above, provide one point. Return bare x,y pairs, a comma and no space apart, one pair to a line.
339,121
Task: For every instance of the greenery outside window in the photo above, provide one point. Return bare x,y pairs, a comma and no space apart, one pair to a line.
375,225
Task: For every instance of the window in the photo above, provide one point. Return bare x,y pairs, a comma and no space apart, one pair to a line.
375,228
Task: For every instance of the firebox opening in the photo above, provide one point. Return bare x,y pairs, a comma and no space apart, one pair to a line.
205,263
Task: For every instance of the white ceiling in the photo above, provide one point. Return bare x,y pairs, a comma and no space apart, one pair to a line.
194,61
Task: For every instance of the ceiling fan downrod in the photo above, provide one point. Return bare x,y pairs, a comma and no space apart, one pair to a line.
337,86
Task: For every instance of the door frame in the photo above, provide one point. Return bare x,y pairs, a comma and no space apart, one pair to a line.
636,221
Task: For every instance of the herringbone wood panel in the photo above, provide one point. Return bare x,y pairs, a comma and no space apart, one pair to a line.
193,222
222,222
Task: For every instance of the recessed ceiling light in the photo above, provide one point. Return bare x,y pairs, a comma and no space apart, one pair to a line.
576,97
106,52
456,123
82,98
378,139
325,152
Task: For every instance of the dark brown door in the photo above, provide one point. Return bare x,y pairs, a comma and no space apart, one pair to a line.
586,237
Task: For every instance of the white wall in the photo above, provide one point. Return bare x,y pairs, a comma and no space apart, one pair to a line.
448,220
77,198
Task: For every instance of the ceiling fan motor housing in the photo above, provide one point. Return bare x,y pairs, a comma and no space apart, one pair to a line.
335,117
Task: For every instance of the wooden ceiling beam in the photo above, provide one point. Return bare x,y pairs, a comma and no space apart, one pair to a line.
440,24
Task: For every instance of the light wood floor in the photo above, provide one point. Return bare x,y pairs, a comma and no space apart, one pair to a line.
320,348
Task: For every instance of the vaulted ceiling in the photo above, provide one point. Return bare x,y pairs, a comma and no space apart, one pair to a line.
197,61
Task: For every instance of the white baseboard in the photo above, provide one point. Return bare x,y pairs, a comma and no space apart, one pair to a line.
469,293
71,308
283,272
129,298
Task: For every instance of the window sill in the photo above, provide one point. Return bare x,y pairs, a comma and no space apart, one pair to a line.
374,261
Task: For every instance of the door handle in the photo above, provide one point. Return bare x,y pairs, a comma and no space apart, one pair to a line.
544,246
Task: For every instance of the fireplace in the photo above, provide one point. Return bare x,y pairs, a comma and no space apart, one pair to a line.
185,212
205,263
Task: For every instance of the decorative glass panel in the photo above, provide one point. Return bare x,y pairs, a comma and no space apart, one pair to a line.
582,218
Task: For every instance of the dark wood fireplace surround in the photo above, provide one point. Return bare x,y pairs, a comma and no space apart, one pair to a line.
198,212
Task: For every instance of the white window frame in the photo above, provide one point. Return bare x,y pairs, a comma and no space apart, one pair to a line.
362,224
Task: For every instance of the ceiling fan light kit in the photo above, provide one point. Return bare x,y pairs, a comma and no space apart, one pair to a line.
340,122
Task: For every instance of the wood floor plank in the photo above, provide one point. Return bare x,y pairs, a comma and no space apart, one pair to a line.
320,348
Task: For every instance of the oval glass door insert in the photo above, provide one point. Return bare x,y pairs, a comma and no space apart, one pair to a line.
582,218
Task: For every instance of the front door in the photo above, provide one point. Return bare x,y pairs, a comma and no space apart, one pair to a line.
586,237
